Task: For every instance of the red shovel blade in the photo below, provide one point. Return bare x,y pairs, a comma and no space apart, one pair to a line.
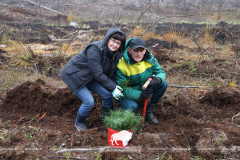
144,110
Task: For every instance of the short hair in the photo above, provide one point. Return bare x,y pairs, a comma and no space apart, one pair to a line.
121,37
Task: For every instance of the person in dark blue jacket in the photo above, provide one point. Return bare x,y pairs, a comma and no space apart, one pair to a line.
92,70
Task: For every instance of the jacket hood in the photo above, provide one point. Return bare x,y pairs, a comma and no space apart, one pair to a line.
109,33
125,54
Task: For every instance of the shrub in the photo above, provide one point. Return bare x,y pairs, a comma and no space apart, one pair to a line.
122,120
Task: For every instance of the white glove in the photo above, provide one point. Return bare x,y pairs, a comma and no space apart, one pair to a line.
117,92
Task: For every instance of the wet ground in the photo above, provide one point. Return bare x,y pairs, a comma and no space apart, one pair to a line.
191,123
37,119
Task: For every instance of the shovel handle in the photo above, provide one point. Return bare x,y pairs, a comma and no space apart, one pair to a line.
145,102
147,83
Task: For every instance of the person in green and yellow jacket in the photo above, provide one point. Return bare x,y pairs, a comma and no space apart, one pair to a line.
133,70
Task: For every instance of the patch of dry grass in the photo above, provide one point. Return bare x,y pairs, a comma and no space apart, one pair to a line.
207,39
67,49
142,33
19,53
136,32
172,36
21,68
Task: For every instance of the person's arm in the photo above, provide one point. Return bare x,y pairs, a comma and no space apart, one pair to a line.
94,58
158,72
128,92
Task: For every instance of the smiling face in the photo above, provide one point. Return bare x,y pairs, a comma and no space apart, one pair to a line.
137,54
113,44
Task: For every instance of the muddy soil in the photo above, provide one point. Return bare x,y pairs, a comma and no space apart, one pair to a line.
37,119
158,44
191,123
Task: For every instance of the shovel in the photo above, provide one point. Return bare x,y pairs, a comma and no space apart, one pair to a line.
145,102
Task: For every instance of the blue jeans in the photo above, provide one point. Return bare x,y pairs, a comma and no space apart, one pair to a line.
157,95
88,101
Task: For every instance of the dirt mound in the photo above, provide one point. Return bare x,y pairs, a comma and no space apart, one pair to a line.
158,44
220,34
221,96
40,97
162,55
182,119
220,67
6,18
21,11
222,24
93,24
184,28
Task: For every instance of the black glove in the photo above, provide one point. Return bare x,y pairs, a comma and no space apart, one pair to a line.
155,81
147,93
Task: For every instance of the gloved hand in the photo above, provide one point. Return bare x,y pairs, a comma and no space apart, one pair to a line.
147,93
117,92
155,81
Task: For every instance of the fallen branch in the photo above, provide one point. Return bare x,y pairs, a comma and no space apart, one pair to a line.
235,116
214,150
61,157
53,38
3,90
44,7
101,149
80,149
20,120
44,115
69,34
184,86
37,116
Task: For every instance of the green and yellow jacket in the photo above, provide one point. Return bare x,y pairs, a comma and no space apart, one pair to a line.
131,75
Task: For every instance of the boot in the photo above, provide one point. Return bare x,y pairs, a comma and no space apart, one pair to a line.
106,111
149,114
80,122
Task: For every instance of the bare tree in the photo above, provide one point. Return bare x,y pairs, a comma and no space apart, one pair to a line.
220,5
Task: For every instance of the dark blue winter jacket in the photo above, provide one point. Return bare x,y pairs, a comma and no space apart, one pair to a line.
96,62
